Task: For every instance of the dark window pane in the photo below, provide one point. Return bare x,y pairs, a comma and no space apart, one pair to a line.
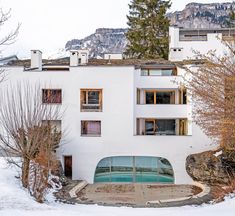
149,127
165,127
165,97
184,97
93,97
149,97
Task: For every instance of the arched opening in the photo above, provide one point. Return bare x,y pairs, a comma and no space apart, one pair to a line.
134,169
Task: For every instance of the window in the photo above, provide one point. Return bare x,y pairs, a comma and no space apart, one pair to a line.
134,169
54,124
165,127
160,127
150,127
183,96
91,100
52,96
159,97
150,97
90,128
159,72
165,97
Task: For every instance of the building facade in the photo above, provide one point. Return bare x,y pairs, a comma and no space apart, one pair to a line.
123,122
186,44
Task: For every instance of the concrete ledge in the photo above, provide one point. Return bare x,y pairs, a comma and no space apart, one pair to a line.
77,188
168,200
205,192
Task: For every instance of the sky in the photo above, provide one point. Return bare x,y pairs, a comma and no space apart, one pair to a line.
48,24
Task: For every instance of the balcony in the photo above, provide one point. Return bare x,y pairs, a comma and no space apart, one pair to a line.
158,127
159,81
162,111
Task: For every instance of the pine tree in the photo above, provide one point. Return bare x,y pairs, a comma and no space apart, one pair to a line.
148,29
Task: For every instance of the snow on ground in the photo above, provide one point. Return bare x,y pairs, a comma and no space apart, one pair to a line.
15,201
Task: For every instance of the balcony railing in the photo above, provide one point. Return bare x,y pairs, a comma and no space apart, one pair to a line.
162,111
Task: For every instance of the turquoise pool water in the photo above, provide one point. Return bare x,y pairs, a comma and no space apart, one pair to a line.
134,169
129,177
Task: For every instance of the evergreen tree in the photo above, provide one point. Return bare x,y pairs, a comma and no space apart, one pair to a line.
148,29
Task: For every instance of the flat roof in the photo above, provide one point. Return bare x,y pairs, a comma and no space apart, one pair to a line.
64,63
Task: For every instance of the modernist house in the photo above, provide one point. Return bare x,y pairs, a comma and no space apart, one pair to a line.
126,121
185,43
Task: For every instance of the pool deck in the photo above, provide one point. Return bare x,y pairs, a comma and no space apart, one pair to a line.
135,195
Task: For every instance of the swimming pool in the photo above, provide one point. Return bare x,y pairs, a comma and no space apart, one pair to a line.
129,177
134,169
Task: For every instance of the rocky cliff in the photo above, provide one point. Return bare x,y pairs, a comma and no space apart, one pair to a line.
104,40
195,15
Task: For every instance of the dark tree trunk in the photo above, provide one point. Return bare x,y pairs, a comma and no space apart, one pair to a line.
25,172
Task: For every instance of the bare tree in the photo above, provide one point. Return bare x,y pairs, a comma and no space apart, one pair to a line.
212,86
6,38
27,129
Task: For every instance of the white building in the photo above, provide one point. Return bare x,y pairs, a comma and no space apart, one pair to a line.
124,122
185,43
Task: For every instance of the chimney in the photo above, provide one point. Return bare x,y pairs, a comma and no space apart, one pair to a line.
36,59
78,57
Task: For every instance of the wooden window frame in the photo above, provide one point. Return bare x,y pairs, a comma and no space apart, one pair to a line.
183,90
183,127
86,99
46,96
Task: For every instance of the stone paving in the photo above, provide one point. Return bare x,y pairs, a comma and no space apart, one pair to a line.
132,194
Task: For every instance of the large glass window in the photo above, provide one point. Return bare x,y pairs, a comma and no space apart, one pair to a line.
165,97
159,72
91,100
122,169
134,169
165,127
160,127
159,97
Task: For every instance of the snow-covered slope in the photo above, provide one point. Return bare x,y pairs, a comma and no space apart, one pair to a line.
56,54
15,201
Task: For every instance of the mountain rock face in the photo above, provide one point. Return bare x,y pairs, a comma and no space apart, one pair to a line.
195,15
104,40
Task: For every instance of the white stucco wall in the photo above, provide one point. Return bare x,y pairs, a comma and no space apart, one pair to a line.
118,118
183,50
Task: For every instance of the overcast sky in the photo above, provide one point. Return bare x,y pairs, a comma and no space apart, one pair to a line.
48,24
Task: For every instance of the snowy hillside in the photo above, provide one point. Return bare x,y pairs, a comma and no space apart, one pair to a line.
56,54
15,201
